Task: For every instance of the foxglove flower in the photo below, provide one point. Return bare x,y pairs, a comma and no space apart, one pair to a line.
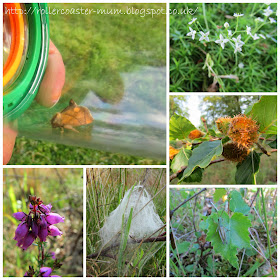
222,41
191,33
204,36
37,223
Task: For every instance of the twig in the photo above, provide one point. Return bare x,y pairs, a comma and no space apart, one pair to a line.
263,149
185,201
133,241
205,125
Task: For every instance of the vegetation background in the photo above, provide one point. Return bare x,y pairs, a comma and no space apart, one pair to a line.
98,48
105,188
63,188
187,56
185,225
211,108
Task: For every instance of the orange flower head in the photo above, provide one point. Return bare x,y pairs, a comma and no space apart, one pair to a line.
223,124
172,152
195,134
244,131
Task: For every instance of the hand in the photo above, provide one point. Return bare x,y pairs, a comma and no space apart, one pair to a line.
48,95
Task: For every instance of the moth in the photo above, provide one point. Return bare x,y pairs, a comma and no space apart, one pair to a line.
73,115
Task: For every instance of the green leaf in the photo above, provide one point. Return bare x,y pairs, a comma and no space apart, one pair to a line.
265,113
195,177
273,144
183,247
179,127
237,204
181,159
219,193
235,231
251,271
246,169
202,156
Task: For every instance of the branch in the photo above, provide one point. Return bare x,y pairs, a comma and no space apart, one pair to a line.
133,241
185,201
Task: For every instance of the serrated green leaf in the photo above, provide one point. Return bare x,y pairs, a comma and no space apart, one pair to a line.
202,156
179,127
236,235
183,247
246,170
181,159
237,204
265,113
219,193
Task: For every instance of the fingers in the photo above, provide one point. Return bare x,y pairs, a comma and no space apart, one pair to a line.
9,138
54,78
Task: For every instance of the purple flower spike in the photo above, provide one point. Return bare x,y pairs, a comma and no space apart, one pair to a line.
45,271
55,276
21,231
54,231
19,216
54,218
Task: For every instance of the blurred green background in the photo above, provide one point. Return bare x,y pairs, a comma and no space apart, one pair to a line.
63,188
97,50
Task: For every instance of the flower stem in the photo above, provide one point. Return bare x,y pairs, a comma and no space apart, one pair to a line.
267,232
204,15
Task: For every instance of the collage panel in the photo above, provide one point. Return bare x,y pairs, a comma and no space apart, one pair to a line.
90,87
126,222
223,139
42,222
223,47
223,232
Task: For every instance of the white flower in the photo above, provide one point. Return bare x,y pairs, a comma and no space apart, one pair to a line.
204,36
222,41
272,20
261,35
241,65
267,11
238,40
259,19
229,33
226,25
238,48
238,15
255,37
193,20
248,30
191,33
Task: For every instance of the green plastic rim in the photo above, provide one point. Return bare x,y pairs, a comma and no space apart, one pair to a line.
22,92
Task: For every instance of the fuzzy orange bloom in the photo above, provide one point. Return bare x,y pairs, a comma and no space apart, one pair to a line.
195,134
172,152
223,124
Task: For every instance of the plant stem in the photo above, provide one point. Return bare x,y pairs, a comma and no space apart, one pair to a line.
204,15
267,232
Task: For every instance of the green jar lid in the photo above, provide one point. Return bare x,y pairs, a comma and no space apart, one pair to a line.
19,95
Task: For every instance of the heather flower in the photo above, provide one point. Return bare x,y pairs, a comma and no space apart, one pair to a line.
272,20
37,223
46,272
226,25
222,41
238,15
191,33
204,36
192,21
268,11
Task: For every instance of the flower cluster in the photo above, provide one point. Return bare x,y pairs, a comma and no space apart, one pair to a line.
39,222
44,272
236,42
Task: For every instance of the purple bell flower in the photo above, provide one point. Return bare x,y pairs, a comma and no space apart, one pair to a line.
45,271
54,218
54,231
19,216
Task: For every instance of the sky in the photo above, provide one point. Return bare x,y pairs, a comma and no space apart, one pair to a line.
193,109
